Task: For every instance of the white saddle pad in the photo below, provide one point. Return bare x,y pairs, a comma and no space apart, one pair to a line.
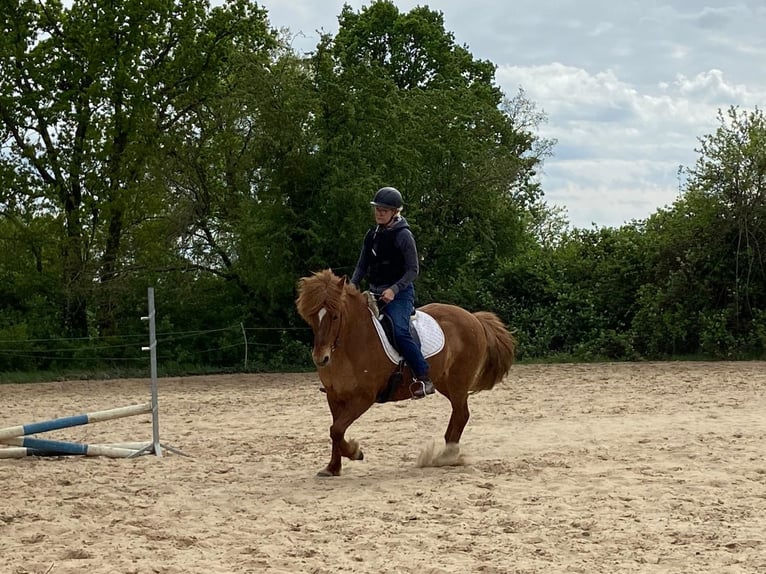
429,331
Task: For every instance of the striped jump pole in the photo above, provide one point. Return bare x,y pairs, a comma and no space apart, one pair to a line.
57,447
77,420
116,449
31,446
23,445
20,452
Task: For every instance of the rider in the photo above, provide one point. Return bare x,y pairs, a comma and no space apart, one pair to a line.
389,261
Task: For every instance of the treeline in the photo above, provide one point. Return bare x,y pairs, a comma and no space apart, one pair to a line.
191,149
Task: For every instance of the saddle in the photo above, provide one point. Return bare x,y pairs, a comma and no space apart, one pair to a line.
388,329
425,331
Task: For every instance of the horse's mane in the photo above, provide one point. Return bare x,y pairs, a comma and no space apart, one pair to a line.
323,289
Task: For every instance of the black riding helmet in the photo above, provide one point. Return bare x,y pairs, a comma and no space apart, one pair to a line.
388,197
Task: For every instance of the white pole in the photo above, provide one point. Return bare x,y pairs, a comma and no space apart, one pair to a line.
244,334
156,446
152,348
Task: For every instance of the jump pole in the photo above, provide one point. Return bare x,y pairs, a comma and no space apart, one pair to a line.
22,445
20,452
39,446
31,446
77,420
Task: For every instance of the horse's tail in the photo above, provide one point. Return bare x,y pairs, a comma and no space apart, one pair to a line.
501,352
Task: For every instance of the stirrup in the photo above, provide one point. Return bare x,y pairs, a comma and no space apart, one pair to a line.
418,385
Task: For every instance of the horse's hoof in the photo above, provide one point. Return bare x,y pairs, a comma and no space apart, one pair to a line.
326,473
357,453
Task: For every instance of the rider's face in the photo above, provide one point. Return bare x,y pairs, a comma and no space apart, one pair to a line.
383,215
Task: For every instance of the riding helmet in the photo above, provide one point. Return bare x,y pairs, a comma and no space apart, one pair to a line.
388,197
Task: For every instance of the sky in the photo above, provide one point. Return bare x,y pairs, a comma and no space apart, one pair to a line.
628,86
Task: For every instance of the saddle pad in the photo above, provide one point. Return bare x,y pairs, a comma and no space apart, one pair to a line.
429,331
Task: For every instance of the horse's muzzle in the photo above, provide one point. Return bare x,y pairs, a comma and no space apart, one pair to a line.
321,358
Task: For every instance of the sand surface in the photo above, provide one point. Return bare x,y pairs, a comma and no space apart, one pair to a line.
650,467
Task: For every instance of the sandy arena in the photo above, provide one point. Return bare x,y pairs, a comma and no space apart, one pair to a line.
613,468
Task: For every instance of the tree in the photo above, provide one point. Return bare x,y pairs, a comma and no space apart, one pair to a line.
731,170
88,96
707,287
234,172
403,105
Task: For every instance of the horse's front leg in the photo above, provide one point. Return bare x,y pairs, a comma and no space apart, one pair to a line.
343,414
458,419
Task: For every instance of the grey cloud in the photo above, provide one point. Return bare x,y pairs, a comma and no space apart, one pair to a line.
628,86
718,18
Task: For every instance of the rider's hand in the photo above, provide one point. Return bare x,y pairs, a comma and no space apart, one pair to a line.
388,295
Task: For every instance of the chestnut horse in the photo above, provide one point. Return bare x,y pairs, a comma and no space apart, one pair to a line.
354,368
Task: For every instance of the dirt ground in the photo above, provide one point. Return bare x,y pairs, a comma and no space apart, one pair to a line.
647,467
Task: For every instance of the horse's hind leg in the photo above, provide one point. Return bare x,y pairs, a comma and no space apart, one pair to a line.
450,455
344,413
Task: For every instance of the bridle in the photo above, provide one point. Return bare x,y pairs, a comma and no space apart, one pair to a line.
337,337
335,343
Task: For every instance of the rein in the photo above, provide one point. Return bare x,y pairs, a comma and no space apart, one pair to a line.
342,312
337,337
342,309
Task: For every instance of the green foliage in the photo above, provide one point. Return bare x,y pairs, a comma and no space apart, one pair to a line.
707,276
403,105
188,148
608,345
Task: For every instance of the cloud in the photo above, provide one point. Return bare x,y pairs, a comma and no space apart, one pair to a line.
628,87
718,18
620,145
617,204
710,86
611,192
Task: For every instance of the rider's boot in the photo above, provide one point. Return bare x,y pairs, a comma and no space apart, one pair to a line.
421,387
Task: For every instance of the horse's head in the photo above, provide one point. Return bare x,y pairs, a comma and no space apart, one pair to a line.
320,303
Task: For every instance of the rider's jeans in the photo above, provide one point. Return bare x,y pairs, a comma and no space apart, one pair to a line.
399,311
